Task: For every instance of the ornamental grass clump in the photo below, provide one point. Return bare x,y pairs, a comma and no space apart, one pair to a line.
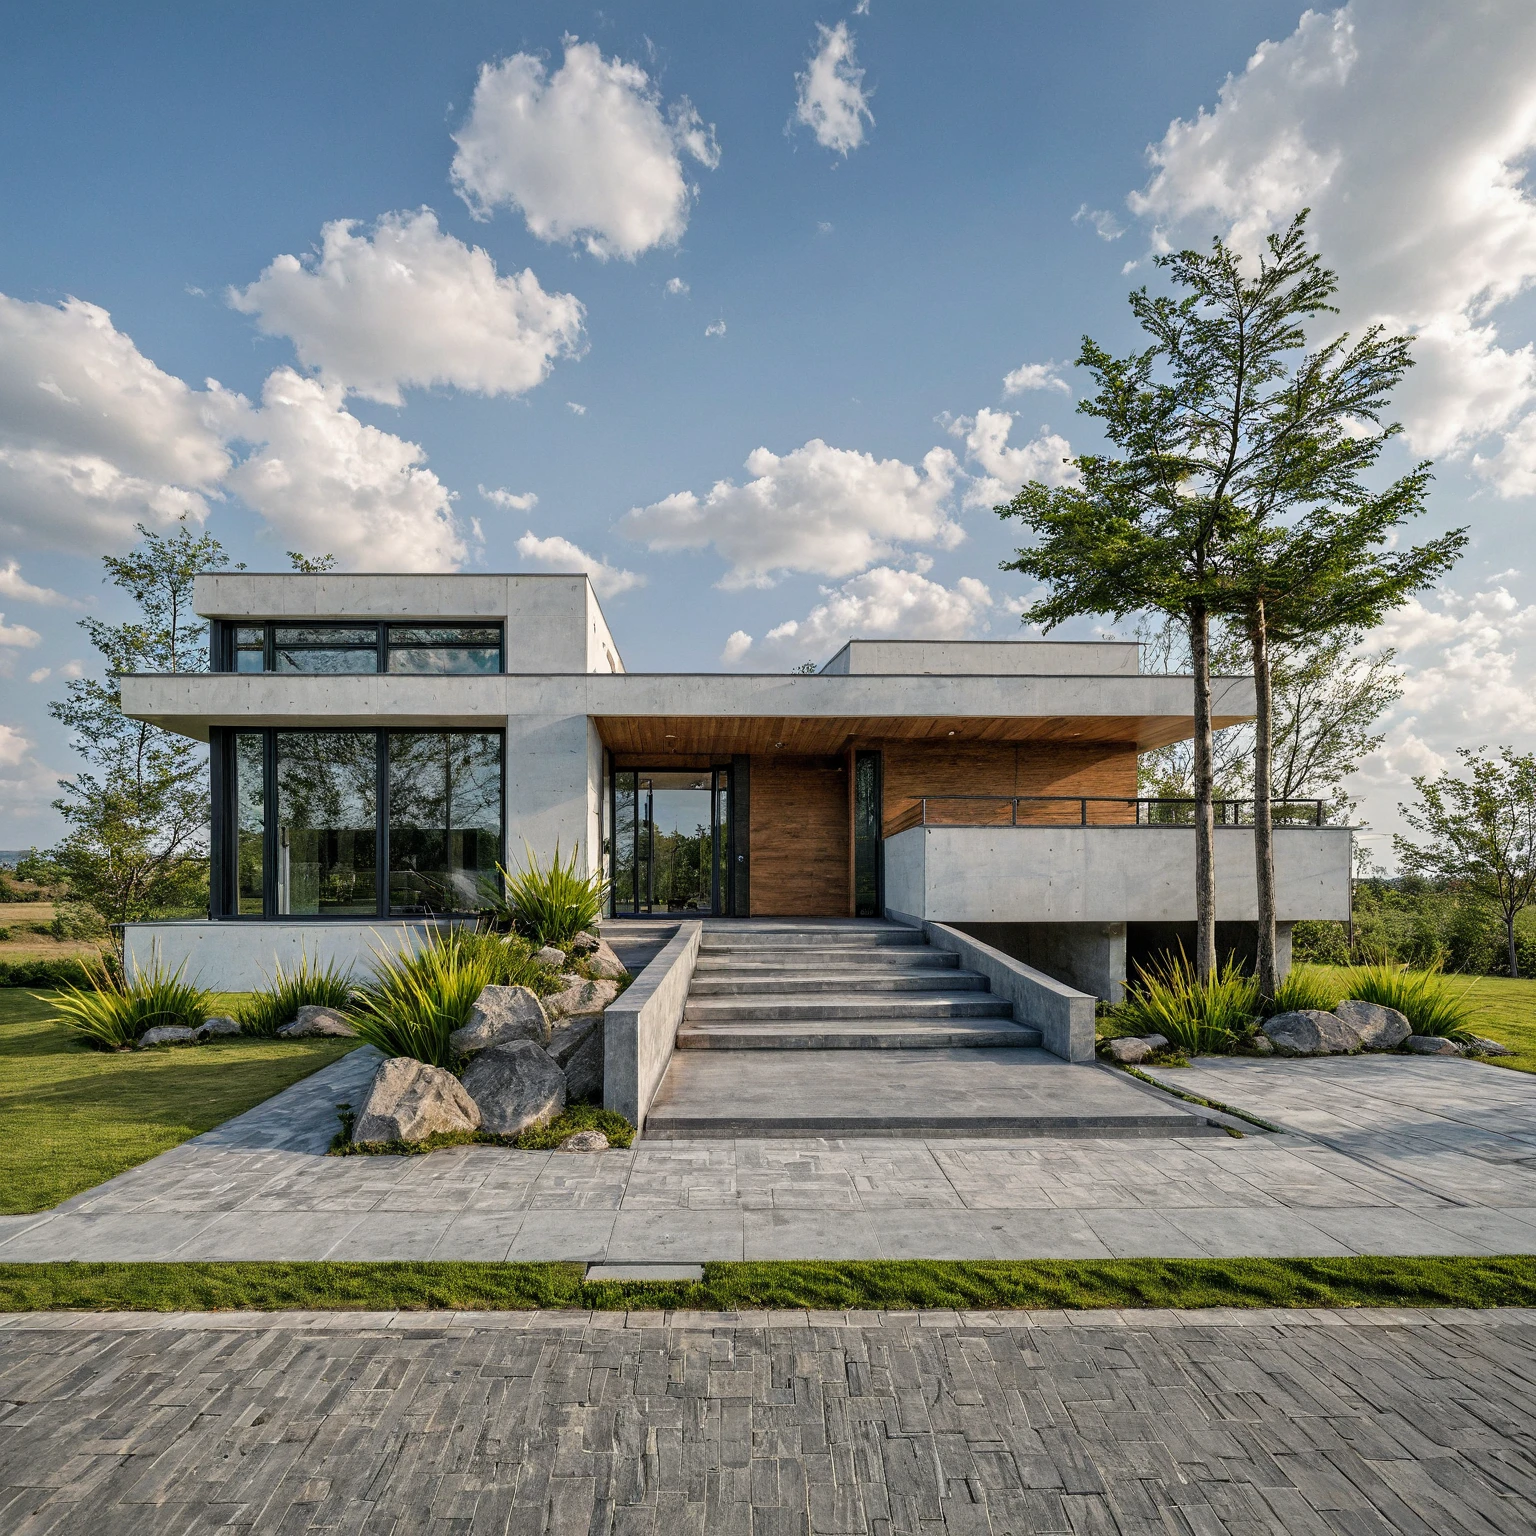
1304,988
415,1001
1197,1017
116,1010
1425,998
277,1003
553,905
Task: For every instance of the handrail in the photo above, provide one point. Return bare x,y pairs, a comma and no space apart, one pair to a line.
1137,810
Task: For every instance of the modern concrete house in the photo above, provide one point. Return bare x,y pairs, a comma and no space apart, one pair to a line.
379,743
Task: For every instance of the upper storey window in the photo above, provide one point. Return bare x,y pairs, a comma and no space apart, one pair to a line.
278,646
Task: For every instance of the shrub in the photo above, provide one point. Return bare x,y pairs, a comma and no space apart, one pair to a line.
553,905
77,920
1168,999
508,958
1322,942
1304,988
415,1001
121,1009
1424,997
277,1003
54,973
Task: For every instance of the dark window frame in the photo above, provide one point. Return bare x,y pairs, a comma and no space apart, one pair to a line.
224,868
225,650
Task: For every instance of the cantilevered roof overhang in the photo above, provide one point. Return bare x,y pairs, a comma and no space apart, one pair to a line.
711,712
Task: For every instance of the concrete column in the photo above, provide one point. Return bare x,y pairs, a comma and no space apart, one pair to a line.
554,787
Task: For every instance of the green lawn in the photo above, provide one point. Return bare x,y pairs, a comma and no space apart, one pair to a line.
833,1286
1506,1012
71,1116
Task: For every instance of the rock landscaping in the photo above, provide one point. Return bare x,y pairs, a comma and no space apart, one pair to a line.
410,1101
502,1014
584,1141
1130,1049
1311,1032
219,1025
1379,1028
515,1085
580,996
167,1034
313,1022
577,1049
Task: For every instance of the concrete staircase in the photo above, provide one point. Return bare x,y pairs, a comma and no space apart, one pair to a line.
848,1028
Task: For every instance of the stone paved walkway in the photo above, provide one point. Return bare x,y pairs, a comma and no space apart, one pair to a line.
570,1423
1391,1156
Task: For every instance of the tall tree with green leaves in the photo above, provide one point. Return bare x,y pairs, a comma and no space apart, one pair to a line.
137,813
1481,832
1191,422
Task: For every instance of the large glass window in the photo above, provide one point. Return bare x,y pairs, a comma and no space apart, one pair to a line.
444,819
327,823
250,823
367,646
671,842
300,831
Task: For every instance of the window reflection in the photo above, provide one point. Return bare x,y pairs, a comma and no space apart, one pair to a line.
250,822
444,819
327,815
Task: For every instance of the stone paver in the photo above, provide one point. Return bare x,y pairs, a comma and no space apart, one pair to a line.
1378,1156
1281,1423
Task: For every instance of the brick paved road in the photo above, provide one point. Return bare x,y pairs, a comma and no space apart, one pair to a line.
1159,1423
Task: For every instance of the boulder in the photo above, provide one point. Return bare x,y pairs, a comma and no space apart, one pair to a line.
1431,1045
576,1047
584,943
580,996
1310,1032
409,1101
550,956
314,1022
1379,1028
220,1024
1129,1050
1480,1045
166,1034
605,962
584,1141
501,1014
1262,1045
515,1085
1157,1042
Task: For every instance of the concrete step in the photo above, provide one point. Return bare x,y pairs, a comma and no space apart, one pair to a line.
818,938
766,1007
853,1035
953,1092
861,983
765,961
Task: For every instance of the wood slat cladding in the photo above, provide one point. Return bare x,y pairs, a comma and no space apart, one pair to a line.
912,770
798,822
655,738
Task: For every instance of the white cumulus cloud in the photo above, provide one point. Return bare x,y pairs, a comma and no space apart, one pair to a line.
828,511
27,785
883,603
510,501
18,635
587,153
14,584
715,328
1035,376
831,100
1407,127
558,554
407,304
93,436
1104,224
676,286
1001,469
327,481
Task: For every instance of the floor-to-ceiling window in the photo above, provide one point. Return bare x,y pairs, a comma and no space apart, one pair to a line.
670,841
356,823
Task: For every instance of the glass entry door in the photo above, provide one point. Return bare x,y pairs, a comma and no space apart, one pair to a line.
671,842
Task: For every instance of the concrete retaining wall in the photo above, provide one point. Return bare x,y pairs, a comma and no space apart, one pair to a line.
239,957
640,1029
1063,1015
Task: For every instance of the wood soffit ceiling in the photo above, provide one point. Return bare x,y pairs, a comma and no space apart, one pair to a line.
667,734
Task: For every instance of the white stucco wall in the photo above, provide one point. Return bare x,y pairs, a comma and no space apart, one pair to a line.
1106,874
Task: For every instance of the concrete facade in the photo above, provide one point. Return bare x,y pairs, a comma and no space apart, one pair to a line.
1064,894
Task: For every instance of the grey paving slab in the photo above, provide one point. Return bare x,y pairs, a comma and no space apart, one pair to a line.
941,1422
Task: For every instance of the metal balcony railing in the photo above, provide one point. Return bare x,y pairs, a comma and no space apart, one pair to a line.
1090,811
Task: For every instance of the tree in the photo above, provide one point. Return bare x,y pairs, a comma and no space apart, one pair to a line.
1151,527
137,815
310,565
1481,831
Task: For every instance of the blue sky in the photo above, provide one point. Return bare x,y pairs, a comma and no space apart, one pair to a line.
876,283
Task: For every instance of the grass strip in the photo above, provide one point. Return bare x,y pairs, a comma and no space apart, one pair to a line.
538,1138
1201,1100
1493,1281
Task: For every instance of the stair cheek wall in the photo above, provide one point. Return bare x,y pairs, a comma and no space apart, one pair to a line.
798,818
